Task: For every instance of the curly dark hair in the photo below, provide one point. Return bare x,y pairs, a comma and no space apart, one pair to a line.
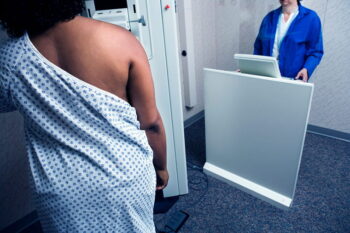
36,16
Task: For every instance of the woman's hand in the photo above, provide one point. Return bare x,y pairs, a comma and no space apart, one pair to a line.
302,75
162,179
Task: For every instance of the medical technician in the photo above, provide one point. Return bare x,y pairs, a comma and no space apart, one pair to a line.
95,139
292,33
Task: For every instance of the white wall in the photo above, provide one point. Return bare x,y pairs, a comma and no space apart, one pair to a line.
225,27
222,28
331,102
204,38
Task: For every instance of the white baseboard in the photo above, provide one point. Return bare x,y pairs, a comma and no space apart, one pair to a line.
248,186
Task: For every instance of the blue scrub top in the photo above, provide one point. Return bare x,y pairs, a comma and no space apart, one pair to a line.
302,47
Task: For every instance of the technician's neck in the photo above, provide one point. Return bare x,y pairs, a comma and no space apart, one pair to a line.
290,9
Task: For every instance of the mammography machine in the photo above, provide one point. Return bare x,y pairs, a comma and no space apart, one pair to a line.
146,19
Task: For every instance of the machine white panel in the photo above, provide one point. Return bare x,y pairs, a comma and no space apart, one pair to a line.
174,84
140,24
153,35
258,65
255,131
118,17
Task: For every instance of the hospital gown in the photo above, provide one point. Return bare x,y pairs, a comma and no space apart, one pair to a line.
91,165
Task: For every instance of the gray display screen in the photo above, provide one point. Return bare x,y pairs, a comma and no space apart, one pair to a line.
110,4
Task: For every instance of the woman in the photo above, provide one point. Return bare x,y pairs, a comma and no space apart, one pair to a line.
85,91
292,34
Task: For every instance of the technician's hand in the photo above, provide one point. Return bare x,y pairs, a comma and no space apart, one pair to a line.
302,75
162,179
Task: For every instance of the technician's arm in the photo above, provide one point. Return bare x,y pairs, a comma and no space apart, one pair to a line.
142,97
302,75
258,45
314,45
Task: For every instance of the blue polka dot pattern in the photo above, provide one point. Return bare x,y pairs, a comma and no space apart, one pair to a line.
91,164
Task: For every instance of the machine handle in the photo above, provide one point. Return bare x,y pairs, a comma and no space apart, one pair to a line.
140,20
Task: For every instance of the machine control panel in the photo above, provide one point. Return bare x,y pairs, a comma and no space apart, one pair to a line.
118,17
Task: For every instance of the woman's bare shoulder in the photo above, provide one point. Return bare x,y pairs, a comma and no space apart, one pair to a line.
111,37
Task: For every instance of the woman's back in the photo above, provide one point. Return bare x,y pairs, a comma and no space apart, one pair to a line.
93,51
91,165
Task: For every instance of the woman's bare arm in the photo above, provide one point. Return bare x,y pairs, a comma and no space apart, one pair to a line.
141,95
